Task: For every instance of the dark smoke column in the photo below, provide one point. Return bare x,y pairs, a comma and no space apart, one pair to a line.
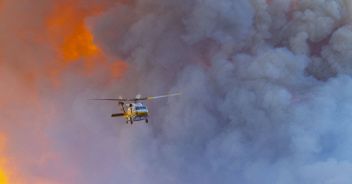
266,91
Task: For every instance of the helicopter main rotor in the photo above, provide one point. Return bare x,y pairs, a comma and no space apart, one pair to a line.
122,100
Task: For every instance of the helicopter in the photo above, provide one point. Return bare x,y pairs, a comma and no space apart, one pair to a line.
133,109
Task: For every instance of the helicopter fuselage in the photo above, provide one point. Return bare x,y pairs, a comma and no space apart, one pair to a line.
137,111
134,112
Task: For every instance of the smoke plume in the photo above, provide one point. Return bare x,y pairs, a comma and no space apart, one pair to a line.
265,91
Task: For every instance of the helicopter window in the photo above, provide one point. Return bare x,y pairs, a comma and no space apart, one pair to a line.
141,108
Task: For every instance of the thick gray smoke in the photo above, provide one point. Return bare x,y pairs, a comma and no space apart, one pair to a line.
266,94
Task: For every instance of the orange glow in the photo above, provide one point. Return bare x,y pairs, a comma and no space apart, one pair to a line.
67,29
4,179
74,43
57,40
78,45
117,69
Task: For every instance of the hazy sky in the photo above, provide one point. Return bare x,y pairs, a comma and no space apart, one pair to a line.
266,91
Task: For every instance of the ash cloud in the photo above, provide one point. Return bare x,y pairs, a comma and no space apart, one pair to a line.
265,88
266,94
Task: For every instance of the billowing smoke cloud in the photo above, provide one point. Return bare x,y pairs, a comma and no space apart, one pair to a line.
266,93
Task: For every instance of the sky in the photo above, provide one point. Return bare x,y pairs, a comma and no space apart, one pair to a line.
265,91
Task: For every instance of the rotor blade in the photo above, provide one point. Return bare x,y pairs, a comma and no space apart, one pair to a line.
162,96
111,99
138,99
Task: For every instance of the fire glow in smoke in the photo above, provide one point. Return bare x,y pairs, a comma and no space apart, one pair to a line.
266,91
51,40
67,26
3,173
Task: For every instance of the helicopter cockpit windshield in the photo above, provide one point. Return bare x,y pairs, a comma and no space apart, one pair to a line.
141,108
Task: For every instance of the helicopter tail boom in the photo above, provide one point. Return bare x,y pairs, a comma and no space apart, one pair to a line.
117,115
